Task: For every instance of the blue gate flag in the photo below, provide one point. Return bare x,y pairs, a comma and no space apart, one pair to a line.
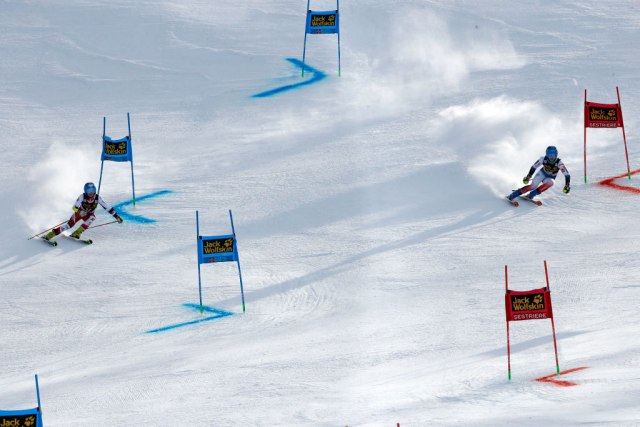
24,417
217,249
117,150
322,22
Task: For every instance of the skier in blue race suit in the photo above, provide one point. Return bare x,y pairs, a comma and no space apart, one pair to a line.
84,210
545,177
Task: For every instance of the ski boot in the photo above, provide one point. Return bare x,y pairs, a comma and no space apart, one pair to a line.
76,234
50,235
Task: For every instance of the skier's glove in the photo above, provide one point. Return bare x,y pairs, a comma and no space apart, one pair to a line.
566,189
526,179
118,218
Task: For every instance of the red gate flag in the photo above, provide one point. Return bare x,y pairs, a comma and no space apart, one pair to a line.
603,116
528,305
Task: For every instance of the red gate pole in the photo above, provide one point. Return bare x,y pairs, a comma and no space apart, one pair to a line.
553,327
624,136
585,135
506,286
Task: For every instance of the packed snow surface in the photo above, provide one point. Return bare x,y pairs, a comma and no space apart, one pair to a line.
368,208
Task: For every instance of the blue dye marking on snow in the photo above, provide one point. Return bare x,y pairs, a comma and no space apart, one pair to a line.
218,314
317,76
138,218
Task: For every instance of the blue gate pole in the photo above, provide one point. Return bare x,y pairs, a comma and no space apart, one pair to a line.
104,128
304,49
40,422
235,241
338,17
198,249
101,167
133,186
38,392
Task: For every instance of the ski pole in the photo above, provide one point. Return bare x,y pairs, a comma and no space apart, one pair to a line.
48,229
100,225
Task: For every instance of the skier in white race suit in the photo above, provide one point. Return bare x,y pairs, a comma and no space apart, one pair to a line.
84,210
545,178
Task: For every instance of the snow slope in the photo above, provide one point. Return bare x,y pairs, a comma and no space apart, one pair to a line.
368,210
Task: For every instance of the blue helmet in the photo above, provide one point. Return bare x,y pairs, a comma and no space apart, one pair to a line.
89,188
552,153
